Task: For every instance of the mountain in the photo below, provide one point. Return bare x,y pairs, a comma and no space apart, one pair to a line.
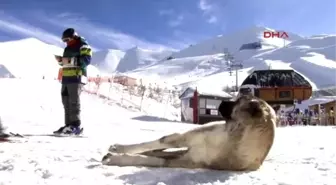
137,58
232,42
204,63
30,58
107,60
112,60
4,73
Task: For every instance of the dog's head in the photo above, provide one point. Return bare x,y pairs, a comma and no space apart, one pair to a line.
249,106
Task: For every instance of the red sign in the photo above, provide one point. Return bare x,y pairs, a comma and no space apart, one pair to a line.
272,34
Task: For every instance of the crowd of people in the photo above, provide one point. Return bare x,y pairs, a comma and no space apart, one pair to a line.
306,117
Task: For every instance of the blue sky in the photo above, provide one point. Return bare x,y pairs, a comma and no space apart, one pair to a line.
153,24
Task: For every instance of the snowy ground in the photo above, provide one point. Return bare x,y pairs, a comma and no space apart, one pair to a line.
300,155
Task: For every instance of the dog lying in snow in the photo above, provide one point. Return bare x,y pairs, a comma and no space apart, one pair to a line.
240,144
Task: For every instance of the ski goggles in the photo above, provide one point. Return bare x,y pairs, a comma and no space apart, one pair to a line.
67,39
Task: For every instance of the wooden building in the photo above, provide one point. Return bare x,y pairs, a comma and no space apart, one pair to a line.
325,111
277,86
329,108
200,106
125,80
120,79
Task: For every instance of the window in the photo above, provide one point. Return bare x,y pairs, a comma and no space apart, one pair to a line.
202,102
212,104
203,111
191,102
284,94
214,112
209,106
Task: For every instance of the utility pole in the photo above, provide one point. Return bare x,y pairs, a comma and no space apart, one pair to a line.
233,65
237,66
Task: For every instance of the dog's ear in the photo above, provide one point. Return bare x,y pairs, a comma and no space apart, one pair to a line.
225,109
254,108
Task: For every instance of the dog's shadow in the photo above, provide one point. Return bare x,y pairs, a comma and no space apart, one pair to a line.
177,176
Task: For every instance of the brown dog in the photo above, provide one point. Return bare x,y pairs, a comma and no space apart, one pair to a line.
242,143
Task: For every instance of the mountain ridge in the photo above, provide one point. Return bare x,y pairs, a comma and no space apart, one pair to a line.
314,57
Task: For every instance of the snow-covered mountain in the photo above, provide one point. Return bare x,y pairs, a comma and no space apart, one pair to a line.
113,60
107,60
30,58
4,73
137,58
203,63
233,42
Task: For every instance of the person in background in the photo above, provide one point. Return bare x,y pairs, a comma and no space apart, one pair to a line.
3,134
76,57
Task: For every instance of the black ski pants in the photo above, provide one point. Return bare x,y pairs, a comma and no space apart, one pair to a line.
71,103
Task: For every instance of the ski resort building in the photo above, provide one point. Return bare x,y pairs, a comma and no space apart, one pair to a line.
277,86
200,106
324,110
120,79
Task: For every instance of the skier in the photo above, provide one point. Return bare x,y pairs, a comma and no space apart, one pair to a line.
3,135
76,57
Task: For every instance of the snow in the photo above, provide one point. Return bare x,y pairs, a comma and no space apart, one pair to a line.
129,98
198,64
138,57
205,59
107,60
300,155
217,92
315,100
4,72
111,114
31,58
232,42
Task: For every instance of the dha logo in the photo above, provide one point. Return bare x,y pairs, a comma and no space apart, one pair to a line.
272,34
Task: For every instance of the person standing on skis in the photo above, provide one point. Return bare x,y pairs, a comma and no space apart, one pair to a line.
76,57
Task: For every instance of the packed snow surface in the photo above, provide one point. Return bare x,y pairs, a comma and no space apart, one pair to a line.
300,155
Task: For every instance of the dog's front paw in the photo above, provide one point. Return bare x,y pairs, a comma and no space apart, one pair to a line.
115,159
107,159
117,148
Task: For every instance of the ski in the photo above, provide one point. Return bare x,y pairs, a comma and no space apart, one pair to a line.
17,135
9,138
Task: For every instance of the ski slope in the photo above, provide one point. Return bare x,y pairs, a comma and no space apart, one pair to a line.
313,57
300,155
203,62
29,58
